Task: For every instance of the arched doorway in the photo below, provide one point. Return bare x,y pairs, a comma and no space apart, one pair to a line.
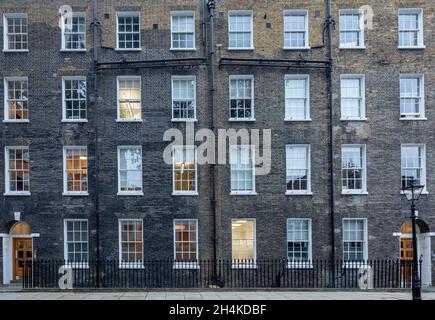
423,248
17,249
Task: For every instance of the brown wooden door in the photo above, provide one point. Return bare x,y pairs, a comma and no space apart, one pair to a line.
22,252
406,255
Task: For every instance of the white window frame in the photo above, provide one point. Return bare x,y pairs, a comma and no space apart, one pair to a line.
180,264
183,192
309,262
184,14
362,191
127,14
307,36
244,13
245,265
6,99
362,98
118,112
129,193
423,164
74,264
242,77
129,265
186,78
63,42
6,16
422,108
305,77
352,264
420,36
233,148
65,180
79,78
8,192
361,28
300,192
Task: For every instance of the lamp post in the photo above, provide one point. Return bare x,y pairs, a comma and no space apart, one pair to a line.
412,193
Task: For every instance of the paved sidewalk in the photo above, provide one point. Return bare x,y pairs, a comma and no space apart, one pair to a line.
213,295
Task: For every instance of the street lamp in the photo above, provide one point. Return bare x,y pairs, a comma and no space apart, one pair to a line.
412,193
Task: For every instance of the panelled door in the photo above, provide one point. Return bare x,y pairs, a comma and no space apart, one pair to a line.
22,251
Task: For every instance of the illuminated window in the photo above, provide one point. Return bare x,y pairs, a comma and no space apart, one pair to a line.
243,242
16,99
17,171
129,98
184,170
76,170
130,243
186,240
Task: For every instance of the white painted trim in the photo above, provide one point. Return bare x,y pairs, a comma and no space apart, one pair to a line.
423,163
120,192
66,78
245,13
186,78
242,77
306,78
420,76
302,264
308,150
186,264
252,264
65,243
291,12
184,13
127,14
361,27
129,265
234,148
62,35
420,37
7,177
366,238
184,192
362,79
5,31
362,191
65,182
6,99
133,78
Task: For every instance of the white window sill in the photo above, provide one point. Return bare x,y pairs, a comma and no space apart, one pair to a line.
184,120
296,48
354,192
297,120
355,265
10,50
75,194
243,193
128,120
77,265
131,266
241,119
73,50
298,193
16,121
357,48
244,265
128,49
182,49
185,193
300,265
129,193
17,194
423,192
412,48
412,119
74,120
185,265
243,49
353,119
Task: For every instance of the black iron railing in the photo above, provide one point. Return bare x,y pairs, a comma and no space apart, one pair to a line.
229,274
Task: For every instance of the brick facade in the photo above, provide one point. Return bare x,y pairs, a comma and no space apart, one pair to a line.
383,132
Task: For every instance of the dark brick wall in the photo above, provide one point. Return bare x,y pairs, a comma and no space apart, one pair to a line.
383,132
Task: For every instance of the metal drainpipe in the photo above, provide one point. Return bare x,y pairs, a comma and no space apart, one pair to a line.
211,6
329,22
96,117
